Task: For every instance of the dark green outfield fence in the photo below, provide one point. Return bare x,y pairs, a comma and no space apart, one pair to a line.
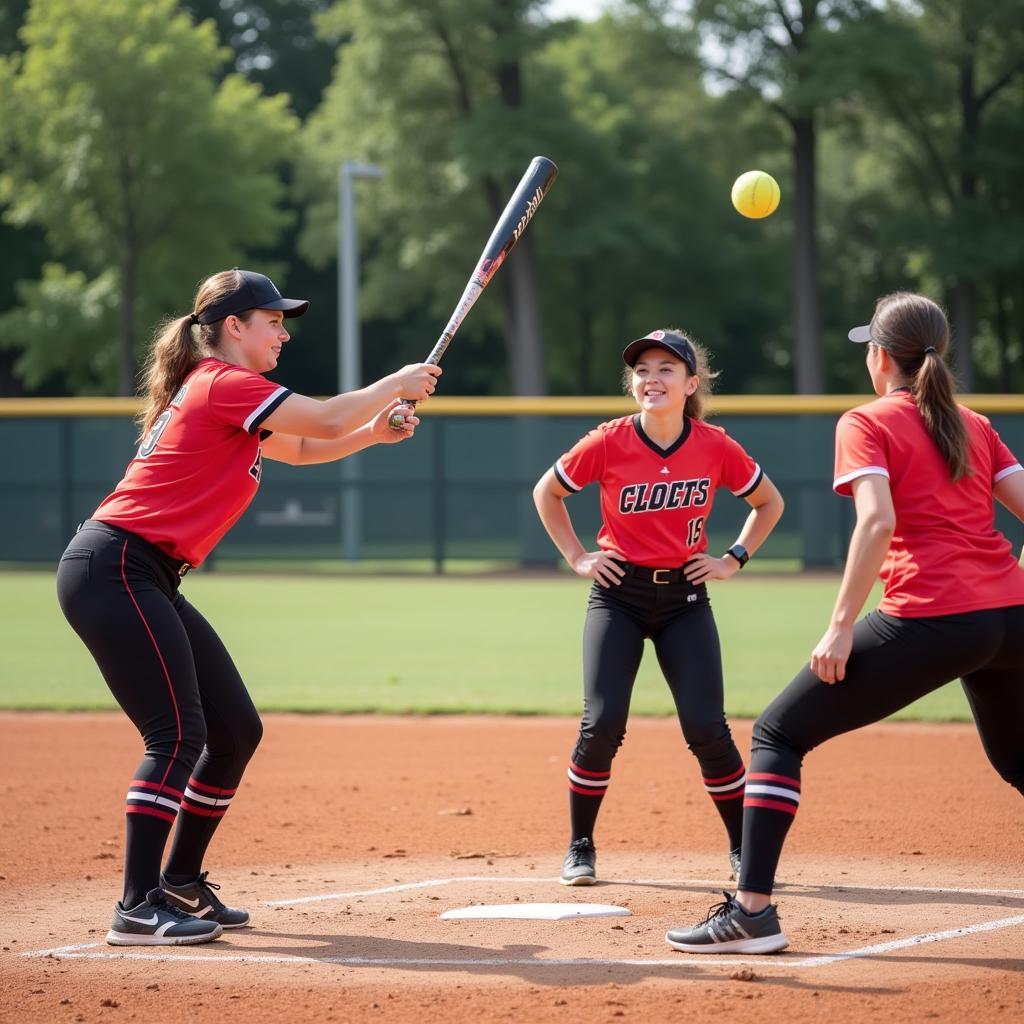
459,490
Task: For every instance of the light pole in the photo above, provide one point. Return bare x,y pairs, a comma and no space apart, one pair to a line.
350,370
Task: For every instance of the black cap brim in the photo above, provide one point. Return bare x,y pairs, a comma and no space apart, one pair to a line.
631,353
290,307
683,352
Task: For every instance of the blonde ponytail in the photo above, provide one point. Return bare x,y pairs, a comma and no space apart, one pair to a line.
179,345
175,353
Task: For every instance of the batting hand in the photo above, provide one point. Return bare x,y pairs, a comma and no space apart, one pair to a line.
600,566
828,659
381,426
416,381
702,568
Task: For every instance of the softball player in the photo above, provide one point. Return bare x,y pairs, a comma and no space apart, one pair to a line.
923,473
210,418
658,472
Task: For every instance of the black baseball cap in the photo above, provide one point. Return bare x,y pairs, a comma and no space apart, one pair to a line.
678,344
254,291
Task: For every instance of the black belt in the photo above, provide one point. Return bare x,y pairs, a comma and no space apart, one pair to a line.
176,566
646,573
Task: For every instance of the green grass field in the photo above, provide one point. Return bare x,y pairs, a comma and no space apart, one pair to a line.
423,644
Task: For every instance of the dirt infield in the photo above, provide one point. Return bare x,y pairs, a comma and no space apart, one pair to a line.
903,895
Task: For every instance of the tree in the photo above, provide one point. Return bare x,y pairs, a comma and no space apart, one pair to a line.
944,75
120,145
439,94
275,44
778,51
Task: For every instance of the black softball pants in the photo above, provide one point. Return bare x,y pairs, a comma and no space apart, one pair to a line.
677,618
173,677
893,663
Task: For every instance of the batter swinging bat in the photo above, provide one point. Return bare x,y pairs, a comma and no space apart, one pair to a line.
532,188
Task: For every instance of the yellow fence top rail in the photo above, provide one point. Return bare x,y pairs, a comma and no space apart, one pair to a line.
599,406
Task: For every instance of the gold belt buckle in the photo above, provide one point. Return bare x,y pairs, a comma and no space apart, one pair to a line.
656,577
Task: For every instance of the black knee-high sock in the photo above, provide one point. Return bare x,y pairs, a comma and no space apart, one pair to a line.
769,807
586,791
150,811
202,809
726,790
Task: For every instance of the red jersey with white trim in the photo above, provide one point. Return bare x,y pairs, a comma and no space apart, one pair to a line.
655,501
946,556
200,467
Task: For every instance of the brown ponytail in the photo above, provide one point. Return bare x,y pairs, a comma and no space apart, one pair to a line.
178,346
694,407
915,332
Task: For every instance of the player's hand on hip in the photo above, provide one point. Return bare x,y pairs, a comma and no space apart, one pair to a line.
829,657
416,382
382,428
704,567
601,566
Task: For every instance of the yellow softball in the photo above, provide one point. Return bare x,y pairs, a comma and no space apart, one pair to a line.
756,194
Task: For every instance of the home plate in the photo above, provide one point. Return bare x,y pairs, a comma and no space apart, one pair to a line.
534,911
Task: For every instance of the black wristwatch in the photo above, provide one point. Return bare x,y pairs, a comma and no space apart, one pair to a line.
739,552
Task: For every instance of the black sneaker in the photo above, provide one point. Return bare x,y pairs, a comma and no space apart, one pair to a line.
198,900
734,864
578,866
155,922
728,928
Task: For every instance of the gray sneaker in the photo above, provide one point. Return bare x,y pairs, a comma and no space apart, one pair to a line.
728,928
197,899
578,866
155,922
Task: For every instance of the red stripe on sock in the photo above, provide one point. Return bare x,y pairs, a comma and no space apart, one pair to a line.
151,811
587,792
769,777
212,790
772,805
725,778
203,812
161,789
734,795
590,775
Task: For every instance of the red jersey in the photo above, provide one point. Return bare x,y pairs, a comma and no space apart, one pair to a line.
655,501
946,556
199,468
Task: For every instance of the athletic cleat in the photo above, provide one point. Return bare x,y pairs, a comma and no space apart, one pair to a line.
728,928
197,899
155,922
578,866
734,863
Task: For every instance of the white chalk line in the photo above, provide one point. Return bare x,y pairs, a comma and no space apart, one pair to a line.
684,961
78,951
434,882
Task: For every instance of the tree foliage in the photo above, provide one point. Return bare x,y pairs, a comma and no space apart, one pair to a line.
147,144
123,148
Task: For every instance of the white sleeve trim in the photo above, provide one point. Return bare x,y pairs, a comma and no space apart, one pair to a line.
1009,471
863,471
564,479
255,415
741,492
